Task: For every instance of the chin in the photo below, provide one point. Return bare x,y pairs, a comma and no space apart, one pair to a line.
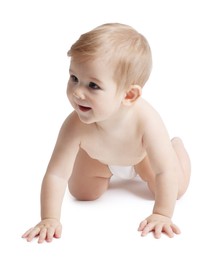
86,121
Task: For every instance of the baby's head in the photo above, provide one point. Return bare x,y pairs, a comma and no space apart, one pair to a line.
121,47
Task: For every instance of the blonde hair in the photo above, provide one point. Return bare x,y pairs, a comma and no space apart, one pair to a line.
122,46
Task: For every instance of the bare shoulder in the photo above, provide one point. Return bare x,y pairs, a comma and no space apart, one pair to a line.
72,121
147,113
71,128
151,122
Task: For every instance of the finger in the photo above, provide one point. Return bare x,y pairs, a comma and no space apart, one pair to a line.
27,233
168,231
33,233
158,231
142,225
175,229
42,235
50,234
58,232
147,229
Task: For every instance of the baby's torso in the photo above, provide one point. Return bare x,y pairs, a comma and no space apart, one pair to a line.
120,145
124,150
123,142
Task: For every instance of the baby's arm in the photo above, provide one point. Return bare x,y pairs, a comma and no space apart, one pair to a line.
166,167
55,182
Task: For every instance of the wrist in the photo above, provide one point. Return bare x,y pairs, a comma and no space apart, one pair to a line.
161,212
51,218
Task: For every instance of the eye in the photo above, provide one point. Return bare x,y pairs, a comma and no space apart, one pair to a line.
74,78
93,85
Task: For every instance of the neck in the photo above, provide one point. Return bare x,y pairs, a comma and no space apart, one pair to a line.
115,122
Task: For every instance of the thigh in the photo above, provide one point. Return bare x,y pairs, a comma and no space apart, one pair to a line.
89,179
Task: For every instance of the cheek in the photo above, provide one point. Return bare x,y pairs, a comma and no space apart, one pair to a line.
69,90
104,102
69,94
108,105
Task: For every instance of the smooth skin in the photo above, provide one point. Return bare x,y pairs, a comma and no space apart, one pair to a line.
111,127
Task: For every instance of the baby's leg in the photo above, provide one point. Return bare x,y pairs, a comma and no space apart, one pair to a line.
89,179
185,164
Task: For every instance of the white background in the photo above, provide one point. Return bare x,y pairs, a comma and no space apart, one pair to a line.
184,87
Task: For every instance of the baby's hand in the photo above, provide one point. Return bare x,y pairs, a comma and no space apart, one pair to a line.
45,230
158,224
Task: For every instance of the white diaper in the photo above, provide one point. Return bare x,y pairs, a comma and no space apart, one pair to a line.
123,172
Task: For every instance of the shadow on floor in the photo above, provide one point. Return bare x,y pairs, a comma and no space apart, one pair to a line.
135,186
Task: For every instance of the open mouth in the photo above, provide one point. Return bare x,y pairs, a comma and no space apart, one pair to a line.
84,109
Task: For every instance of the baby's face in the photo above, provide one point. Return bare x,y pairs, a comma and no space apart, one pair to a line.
92,91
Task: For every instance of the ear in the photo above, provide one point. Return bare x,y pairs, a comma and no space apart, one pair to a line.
132,95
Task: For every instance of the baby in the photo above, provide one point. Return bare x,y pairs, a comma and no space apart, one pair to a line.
112,131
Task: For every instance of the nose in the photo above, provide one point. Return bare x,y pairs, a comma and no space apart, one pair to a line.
78,93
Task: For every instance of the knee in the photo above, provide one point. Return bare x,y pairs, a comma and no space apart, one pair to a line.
83,195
